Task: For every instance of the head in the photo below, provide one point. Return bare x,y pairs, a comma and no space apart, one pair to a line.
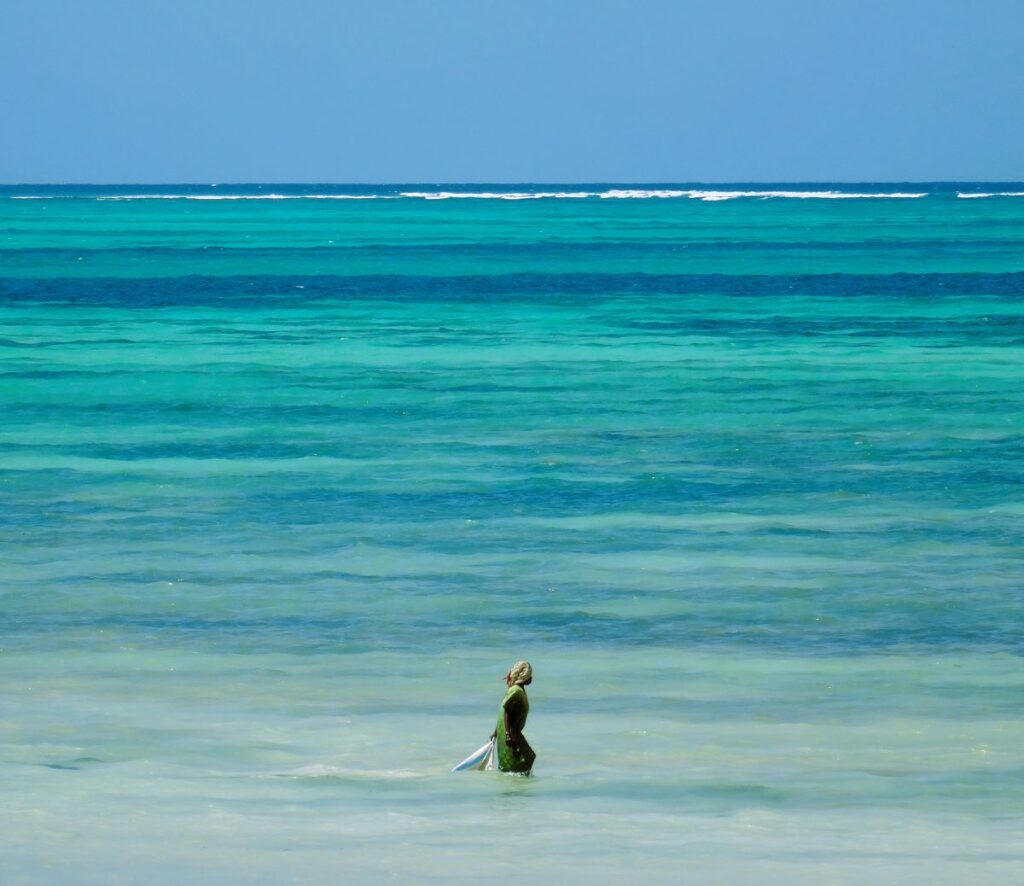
521,674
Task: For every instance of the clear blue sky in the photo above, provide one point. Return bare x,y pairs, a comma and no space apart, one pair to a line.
519,90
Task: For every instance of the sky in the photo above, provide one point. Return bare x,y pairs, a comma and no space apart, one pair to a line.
517,91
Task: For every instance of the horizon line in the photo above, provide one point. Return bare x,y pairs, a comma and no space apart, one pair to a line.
510,183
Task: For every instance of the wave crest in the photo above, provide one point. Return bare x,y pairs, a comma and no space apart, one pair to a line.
706,196
964,195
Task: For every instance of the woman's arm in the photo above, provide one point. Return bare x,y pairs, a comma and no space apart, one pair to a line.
510,735
511,707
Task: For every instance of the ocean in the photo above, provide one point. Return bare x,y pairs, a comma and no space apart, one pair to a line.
291,475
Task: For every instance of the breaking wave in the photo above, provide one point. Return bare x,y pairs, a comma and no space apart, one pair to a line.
646,194
968,196
707,196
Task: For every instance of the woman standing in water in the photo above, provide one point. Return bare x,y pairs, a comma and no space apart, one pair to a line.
513,752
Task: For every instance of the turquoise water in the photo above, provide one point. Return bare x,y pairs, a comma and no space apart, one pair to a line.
287,484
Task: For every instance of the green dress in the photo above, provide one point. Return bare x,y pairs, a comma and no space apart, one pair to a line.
520,758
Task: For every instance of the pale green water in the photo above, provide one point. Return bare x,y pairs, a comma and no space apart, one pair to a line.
285,486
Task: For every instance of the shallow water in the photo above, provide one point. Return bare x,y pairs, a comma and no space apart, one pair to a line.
286,485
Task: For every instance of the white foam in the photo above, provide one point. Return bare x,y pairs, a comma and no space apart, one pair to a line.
966,196
209,197
707,196
714,196
321,770
498,195
243,197
640,194
813,195
647,194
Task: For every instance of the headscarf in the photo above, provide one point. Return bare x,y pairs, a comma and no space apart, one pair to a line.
521,673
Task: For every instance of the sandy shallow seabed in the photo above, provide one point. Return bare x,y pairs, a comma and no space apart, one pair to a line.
299,769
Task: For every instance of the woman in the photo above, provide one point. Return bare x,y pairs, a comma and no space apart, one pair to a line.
513,752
